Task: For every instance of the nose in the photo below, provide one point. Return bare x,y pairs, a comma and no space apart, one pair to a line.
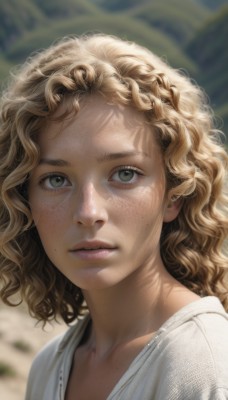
90,207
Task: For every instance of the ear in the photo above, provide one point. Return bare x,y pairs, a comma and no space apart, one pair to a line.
172,209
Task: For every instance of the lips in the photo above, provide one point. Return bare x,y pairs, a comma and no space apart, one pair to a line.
92,245
93,251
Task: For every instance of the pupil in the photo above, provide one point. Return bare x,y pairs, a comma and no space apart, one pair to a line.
56,181
126,175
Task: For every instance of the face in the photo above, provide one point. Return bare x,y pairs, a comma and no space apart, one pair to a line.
97,196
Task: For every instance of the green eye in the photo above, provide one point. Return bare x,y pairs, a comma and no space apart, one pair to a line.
126,175
56,181
52,182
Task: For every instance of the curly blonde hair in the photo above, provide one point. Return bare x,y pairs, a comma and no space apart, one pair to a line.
192,246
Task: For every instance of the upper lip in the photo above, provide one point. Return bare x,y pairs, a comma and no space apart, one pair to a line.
92,245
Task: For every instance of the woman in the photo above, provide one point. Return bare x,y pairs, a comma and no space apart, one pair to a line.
113,216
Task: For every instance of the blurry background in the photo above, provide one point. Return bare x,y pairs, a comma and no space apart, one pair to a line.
189,34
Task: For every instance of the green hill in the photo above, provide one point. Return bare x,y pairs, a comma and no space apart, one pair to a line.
119,5
222,112
186,33
179,20
209,49
213,4
5,67
120,25
16,18
67,8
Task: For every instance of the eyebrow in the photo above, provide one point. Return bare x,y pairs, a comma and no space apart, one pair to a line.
123,154
53,162
100,159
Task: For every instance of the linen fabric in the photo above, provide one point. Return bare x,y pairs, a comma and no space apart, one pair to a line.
187,359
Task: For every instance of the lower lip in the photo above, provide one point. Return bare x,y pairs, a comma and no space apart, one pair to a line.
97,254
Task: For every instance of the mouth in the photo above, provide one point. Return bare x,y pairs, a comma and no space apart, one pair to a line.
93,249
92,245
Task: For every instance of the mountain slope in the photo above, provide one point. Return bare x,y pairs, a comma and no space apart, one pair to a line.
120,25
178,19
213,4
17,18
209,49
119,5
5,67
67,8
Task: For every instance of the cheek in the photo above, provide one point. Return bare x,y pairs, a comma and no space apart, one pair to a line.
49,225
142,213
47,218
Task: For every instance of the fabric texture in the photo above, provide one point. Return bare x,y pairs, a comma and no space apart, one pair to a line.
186,360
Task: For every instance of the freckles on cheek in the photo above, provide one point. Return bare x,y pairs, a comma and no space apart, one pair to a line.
132,214
146,214
46,217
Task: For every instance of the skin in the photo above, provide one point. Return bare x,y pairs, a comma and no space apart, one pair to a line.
109,185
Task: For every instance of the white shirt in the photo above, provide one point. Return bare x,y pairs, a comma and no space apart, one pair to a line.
186,360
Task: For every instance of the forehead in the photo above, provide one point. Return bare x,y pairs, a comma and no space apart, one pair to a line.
95,107
98,122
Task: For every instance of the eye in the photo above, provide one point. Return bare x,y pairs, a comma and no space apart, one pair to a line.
126,175
54,181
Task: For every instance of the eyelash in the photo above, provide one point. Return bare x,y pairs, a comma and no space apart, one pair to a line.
49,176
127,168
119,169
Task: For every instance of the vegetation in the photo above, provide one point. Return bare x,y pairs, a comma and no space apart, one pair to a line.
6,370
67,8
119,5
22,346
213,4
122,26
177,19
16,18
209,49
189,34
5,66
222,112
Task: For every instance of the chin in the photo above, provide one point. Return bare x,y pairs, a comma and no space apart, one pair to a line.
90,281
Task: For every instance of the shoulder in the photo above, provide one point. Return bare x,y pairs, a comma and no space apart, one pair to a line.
60,344
47,355
47,365
195,356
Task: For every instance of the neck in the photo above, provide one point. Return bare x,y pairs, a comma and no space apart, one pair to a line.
133,309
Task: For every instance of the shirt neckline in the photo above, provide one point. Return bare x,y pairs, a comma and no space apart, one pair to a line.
209,304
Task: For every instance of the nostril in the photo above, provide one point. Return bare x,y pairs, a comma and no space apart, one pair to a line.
90,207
89,221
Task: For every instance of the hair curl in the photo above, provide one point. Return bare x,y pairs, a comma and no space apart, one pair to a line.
192,246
